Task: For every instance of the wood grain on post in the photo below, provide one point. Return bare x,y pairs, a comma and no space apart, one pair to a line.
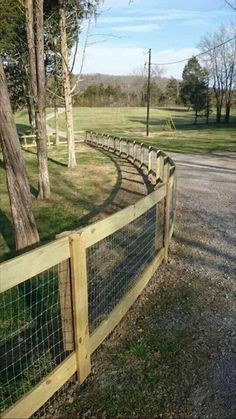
80,305
64,283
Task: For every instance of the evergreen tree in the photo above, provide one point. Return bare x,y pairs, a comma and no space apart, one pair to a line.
194,88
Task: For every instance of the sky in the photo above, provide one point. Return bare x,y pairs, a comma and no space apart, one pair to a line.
119,40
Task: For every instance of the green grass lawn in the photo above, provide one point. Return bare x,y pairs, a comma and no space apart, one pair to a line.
76,193
130,123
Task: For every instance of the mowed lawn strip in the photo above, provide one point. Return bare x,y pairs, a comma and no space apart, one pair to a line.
130,123
75,198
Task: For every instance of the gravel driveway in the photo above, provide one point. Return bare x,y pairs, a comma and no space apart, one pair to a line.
205,247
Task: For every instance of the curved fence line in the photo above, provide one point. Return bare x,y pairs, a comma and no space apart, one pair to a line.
61,300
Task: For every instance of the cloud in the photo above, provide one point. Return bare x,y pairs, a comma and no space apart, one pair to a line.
137,28
196,22
163,15
124,60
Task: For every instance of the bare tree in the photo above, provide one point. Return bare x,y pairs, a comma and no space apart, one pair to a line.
230,4
220,62
25,229
35,41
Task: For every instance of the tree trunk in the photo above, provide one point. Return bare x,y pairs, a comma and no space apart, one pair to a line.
35,41
30,103
67,87
227,112
196,116
25,229
44,186
56,123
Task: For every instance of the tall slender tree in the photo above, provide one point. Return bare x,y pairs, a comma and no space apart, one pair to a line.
35,41
67,85
25,229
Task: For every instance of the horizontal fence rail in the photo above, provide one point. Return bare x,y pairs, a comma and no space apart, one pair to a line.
60,301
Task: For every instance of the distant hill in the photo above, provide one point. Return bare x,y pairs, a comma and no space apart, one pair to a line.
130,82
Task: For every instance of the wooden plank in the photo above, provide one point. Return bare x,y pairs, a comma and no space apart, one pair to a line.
64,283
34,399
101,229
106,327
80,305
19,269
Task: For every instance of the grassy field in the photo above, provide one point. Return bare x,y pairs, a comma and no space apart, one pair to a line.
76,194
130,122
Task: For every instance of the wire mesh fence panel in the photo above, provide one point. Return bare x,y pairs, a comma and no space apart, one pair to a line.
115,263
31,333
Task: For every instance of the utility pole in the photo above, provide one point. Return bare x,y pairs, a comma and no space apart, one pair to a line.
148,91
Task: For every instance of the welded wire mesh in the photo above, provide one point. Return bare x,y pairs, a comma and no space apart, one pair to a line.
115,263
31,334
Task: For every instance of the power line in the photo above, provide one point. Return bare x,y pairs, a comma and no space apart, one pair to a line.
198,55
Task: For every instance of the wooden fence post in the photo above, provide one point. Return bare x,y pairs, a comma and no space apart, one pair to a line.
165,169
134,151
158,166
120,152
80,305
142,155
150,160
167,210
66,305
25,143
64,285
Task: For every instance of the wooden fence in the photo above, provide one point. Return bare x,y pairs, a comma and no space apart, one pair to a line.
80,265
29,140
